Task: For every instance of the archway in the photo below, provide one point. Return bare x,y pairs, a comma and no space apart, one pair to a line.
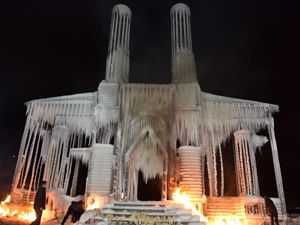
146,160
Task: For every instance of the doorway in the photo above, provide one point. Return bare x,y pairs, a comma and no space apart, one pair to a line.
150,191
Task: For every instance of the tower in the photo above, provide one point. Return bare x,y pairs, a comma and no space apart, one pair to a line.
117,63
183,63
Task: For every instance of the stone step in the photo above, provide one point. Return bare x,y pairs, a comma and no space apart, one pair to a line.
140,203
216,214
122,212
136,208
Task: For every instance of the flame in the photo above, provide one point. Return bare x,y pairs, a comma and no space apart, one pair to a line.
94,202
183,198
4,210
19,213
7,200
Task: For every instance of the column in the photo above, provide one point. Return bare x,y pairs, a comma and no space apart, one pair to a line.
245,164
277,165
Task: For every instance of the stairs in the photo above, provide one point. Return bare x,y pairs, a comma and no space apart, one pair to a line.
224,207
166,212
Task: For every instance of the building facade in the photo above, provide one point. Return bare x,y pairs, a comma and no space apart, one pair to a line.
114,142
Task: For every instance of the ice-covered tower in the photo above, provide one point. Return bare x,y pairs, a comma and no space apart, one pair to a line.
106,113
117,63
183,63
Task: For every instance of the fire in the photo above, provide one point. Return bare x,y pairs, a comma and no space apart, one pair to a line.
4,210
19,213
7,200
94,202
183,198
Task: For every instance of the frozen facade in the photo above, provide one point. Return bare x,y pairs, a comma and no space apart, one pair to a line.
106,143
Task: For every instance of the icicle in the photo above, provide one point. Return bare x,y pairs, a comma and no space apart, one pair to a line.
222,170
82,154
245,163
75,178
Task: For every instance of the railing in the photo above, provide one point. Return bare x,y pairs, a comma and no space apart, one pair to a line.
254,206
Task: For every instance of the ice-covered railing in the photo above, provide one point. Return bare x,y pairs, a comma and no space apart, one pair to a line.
77,110
74,113
225,115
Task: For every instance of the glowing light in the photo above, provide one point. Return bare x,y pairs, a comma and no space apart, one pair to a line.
94,202
4,210
7,200
183,198
18,213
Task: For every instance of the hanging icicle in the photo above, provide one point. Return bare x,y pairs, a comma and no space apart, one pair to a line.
76,109
245,163
82,154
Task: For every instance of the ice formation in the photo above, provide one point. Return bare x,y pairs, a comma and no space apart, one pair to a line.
165,130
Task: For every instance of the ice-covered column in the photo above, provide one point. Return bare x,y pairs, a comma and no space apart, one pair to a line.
191,171
117,63
57,152
277,166
245,163
183,63
99,180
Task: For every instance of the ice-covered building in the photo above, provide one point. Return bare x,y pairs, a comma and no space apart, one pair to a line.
114,142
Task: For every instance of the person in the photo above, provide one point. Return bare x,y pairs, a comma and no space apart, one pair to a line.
39,203
271,210
76,209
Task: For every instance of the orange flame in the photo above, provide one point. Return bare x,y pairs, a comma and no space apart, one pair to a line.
4,210
23,214
183,198
7,200
93,203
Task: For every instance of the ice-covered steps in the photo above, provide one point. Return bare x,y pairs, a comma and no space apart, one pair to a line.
167,211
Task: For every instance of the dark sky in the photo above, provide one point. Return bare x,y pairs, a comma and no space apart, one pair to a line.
246,49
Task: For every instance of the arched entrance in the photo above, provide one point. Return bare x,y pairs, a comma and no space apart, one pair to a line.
147,166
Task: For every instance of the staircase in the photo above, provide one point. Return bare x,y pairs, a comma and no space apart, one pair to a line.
224,207
163,212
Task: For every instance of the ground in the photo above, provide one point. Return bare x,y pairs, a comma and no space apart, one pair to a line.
8,221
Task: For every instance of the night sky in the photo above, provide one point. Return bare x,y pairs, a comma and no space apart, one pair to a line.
244,49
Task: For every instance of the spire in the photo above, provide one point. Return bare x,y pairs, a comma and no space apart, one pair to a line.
183,63
117,63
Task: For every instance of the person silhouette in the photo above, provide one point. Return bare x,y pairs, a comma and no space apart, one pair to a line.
39,203
271,210
76,209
